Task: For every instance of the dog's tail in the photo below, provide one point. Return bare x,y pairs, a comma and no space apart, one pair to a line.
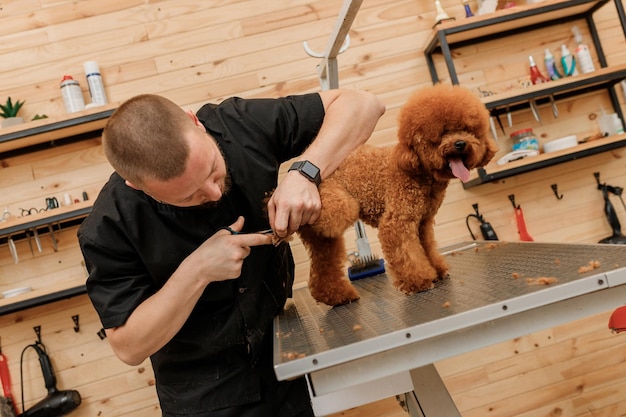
364,264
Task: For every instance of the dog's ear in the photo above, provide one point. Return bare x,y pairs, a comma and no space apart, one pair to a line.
492,148
406,158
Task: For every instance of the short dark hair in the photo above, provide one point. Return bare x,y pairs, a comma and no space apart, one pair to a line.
144,139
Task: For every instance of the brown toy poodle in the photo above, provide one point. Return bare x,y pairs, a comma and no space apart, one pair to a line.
442,134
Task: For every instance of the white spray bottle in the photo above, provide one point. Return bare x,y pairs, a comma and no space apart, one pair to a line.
583,56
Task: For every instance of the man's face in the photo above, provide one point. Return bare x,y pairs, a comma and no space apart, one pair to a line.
204,180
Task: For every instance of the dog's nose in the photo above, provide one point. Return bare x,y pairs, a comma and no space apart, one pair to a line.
459,145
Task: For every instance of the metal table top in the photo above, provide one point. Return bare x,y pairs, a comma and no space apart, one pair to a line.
488,280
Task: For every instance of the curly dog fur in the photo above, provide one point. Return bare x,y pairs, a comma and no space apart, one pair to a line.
442,134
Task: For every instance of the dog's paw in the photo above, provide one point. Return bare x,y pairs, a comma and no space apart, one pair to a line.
335,295
442,272
411,286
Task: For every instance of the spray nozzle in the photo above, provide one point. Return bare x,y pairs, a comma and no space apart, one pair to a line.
577,35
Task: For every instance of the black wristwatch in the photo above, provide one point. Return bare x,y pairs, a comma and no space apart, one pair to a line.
310,171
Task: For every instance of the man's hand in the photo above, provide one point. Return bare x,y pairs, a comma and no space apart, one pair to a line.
223,253
295,202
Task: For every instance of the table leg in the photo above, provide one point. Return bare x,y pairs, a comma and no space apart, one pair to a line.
430,397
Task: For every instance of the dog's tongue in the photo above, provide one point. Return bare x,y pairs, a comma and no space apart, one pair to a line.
459,170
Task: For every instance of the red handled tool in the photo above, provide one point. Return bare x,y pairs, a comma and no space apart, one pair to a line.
617,322
521,223
6,382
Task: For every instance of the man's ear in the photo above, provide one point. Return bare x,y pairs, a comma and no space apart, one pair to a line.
194,118
131,185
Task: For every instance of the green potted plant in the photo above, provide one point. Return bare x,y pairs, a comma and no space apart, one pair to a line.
9,112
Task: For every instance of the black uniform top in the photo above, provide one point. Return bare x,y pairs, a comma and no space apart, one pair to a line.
132,244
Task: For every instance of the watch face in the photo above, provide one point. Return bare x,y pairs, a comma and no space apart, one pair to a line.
310,170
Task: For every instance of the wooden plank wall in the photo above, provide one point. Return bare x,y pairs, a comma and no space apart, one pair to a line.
199,51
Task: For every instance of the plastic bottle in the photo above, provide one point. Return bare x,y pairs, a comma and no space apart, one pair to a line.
617,124
536,77
72,94
468,11
583,56
96,85
548,59
568,62
524,139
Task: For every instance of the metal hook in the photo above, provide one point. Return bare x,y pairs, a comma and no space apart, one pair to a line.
310,52
37,330
102,334
76,325
556,191
512,198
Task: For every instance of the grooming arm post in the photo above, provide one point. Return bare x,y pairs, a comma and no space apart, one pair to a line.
328,74
339,41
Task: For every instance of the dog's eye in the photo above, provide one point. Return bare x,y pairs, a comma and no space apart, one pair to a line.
443,133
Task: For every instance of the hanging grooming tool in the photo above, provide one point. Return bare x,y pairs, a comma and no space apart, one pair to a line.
500,124
363,263
54,239
30,243
534,109
521,223
485,228
494,132
57,402
555,110
509,116
13,250
617,237
37,240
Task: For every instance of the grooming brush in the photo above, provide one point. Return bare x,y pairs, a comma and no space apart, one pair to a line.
364,264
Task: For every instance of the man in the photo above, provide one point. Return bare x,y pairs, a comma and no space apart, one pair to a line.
179,268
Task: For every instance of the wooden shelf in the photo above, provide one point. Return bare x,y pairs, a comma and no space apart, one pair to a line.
599,79
505,21
40,297
54,128
63,213
68,285
35,133
494,172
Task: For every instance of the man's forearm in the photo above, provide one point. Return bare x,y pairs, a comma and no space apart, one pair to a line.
350,119
157,320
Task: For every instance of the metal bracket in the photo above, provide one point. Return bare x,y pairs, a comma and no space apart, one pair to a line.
556,191
37,330
102,334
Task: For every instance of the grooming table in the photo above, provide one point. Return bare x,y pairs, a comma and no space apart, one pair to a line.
386,343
